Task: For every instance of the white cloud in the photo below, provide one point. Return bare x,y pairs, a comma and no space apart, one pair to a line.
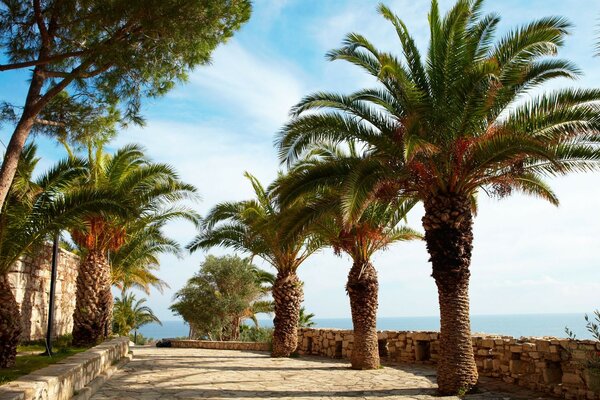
251,82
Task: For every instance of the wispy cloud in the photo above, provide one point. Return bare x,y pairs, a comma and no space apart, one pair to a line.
251,84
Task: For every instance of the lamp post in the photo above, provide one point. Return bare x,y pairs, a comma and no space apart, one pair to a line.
52,290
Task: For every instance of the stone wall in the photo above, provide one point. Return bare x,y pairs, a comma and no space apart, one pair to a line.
61,381
216,345
30,280
548,365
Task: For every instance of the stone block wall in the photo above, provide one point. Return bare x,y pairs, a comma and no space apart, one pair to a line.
216,345
61,381
550,365
30,281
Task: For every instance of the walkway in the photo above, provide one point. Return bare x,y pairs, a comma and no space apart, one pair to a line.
165,373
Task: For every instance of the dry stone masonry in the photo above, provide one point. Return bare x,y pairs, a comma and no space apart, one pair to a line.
550,365
216,345
30,280
63,380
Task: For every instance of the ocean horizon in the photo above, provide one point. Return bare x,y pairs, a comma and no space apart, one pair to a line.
516,325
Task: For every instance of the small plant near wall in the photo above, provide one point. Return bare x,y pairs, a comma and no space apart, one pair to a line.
592,362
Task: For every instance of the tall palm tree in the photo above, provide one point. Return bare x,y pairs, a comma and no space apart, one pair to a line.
375,229
256,227
152,191
131,314
440,129
37,209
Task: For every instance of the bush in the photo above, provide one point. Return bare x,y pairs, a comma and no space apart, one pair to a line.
254,334
140,339
163,343
61,344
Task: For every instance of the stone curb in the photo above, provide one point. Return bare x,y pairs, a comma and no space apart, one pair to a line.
60,380
91,388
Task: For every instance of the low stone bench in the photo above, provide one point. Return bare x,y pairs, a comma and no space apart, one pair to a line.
63,380
215,345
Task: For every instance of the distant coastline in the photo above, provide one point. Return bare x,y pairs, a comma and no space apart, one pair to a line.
516,325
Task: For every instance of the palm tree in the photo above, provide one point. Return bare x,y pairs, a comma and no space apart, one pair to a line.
37,209
256,227
438,130
375,229
131,314
305,319
152,191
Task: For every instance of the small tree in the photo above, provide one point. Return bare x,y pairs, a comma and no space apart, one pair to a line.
216,299
131,314
105,52
305,320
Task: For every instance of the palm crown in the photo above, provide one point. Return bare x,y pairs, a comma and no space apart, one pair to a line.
322,213
37,208
459,120
151,190
255,226
130,313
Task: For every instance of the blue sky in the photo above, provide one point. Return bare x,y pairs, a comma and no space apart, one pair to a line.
529,256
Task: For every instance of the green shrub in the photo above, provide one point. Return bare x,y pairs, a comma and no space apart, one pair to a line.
254,334
140,339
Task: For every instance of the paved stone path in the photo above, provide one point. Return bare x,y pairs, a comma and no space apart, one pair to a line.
167,373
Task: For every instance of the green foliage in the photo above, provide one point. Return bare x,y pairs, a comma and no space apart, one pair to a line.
37,208
592,325
324,207
140,339
153,193
216,299
255,334
305,319
257,227
110,52
59,344
131,314
26,364
453,120
31,357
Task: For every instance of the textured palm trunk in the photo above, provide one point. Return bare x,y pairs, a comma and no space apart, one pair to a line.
362,288
288,296
93,311
448,226
10,324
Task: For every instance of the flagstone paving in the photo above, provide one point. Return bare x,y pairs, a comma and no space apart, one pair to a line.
168,373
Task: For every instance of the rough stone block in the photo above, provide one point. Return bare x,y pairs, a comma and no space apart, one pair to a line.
571,378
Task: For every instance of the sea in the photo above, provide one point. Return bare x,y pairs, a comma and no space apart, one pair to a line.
513,325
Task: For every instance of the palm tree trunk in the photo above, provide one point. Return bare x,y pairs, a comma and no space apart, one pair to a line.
10,324
288,296
448,224
362,288
93,311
